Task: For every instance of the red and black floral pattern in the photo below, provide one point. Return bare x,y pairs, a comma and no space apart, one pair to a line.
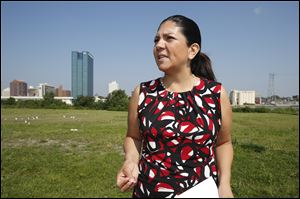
179,131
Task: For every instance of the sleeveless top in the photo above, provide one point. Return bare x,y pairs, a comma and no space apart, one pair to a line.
179,131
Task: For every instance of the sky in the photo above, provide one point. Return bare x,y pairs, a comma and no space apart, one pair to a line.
246,41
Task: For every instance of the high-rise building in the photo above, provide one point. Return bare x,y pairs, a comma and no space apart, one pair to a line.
18,88
82,74
112,86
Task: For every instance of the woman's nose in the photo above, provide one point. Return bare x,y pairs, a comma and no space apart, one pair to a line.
160,44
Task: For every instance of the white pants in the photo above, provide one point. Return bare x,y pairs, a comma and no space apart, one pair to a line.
205,189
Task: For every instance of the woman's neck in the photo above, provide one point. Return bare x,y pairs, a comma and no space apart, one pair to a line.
179,82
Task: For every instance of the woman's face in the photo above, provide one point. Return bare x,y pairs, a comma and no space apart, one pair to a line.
170,47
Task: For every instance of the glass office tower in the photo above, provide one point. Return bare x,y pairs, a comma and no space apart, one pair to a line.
82,74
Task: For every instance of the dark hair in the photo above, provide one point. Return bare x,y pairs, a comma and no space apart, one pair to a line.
201,64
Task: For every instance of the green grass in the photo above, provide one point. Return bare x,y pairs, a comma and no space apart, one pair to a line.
49,159
266,155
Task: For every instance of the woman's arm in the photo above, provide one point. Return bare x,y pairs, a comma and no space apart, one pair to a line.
133,140
127,176
224,149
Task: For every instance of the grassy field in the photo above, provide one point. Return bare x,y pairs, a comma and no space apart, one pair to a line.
77,153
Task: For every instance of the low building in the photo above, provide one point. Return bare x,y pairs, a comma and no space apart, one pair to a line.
60,92
44,88
242,97
5,92
32,91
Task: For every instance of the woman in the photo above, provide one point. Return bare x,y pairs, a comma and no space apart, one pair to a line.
178,125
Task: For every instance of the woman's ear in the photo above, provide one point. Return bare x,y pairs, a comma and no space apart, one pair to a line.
193,50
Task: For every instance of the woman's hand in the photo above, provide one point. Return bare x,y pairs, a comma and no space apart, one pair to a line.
127,176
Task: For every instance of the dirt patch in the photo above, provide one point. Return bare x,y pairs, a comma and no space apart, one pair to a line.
69,146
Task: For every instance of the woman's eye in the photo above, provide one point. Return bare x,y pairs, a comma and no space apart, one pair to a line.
167,39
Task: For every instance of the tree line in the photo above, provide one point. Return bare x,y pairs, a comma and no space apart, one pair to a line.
281,110
115,101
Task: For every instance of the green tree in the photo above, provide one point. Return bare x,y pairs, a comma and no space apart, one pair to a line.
100,105
49,97
11,101
84,101
48,100
117,101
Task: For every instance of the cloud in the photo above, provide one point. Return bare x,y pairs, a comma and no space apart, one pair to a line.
257,10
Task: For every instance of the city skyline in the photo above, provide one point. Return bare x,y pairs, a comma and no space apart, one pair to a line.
246,41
